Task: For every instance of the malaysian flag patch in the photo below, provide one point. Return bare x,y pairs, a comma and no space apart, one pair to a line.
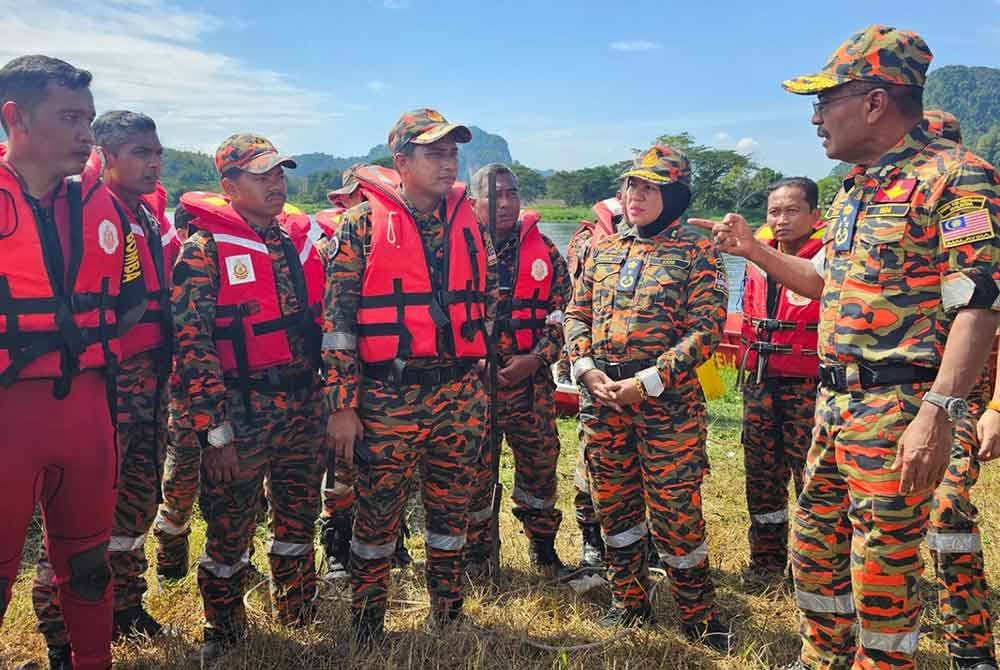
965,220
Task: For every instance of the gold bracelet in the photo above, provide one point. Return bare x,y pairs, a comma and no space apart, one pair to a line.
642,389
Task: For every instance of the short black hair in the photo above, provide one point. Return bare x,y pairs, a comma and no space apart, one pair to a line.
808,187
24,80
116,128
909,99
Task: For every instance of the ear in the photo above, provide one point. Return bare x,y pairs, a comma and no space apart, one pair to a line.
400,161
876,105
13,115
229,186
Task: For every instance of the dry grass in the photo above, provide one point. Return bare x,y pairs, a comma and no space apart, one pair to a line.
506,629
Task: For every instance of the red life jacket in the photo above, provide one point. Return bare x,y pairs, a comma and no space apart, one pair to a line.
790,335
46,330
251,333
528,306
395,318
609,212
304,233
329,220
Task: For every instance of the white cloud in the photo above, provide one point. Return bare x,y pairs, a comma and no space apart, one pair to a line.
746,144
396,4
376,85
636,45
146,56
722,137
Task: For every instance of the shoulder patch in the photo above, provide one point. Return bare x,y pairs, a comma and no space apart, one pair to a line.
964,220
897,191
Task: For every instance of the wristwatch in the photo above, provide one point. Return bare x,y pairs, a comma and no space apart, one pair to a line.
221,435
956,408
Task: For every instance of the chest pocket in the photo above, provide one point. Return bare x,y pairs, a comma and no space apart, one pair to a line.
663,281
878,253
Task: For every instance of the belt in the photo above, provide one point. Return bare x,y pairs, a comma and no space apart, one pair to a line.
619,371
278,384
789,381
835,377
386,372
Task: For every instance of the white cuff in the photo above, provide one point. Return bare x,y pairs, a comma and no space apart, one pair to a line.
583,366
651,381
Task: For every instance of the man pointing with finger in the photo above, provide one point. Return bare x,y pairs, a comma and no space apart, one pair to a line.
909,285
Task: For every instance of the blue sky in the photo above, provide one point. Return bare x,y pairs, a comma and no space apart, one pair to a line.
569,84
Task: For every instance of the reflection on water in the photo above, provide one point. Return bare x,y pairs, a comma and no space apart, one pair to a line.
560,232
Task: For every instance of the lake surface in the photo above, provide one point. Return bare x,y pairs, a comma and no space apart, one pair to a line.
560,232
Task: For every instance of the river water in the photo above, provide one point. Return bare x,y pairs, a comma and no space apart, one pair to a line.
560,232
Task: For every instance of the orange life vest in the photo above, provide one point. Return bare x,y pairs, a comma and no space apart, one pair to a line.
251,333
528,306
788,337
400,309
329,220
49,331
608,212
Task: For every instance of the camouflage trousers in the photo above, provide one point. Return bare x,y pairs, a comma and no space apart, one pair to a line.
278,448
583,501
527,419
181,477
777,431
141,446
956,546
438,429
650,459
855,539
338,491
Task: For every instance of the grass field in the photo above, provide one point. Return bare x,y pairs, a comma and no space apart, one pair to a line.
529,624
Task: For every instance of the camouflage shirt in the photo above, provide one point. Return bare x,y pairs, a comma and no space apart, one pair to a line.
550,343
911,239
345,271
578,250
198,387
662,298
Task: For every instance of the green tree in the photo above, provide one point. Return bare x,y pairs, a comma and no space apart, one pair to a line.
384,161
584,187
988,145
530,183
828,188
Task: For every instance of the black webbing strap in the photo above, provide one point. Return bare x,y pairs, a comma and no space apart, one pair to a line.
236,334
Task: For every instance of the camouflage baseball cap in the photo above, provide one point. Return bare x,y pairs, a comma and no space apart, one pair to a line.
349,183
250,153
943,124
424,126
661,165
879,54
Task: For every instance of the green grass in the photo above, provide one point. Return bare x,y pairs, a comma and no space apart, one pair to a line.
557,213
508,628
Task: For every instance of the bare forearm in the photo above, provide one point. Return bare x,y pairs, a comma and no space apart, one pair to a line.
797,274
965,352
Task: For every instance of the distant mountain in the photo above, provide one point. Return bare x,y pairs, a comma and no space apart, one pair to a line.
970,93
483,149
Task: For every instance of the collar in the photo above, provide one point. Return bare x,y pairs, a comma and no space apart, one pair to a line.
628,230
909,146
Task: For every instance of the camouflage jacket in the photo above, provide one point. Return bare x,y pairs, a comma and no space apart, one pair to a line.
345,271
662,298
198,387
577,252
550,343
911,239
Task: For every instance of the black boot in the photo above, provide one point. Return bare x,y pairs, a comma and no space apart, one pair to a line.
134,622
984,662
336,538
544,558
627,617
592,552
712,633
402,558
368,627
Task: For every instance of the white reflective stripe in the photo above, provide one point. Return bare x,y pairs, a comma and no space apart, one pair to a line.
582,366
781,516
904,643
554,317
306,250
315,230
169,236
481,515
444,542
626,537
125,543
371,552
337,341
169,527
281,548
339,489
954,543
695,558
530,500
137,230
581,482
812,602
241,242
221,570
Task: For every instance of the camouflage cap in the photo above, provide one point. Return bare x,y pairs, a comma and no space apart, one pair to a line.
349,183
250,153
424,126
943,124
879,54
661,165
